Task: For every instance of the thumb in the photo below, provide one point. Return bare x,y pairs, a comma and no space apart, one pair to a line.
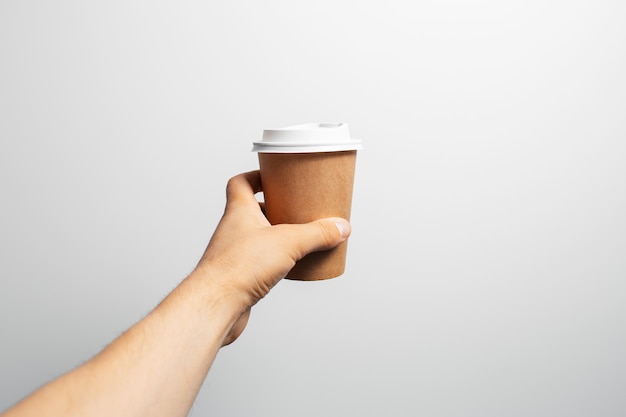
320,234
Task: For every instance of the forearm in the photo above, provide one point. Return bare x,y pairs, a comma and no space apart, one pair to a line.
155,368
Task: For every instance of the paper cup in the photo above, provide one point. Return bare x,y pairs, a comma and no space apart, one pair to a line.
307,173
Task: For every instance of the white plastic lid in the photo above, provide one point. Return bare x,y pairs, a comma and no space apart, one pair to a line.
308,137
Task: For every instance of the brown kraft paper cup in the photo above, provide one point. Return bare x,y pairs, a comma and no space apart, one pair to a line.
303,187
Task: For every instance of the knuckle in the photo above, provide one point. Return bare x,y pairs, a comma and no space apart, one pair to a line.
328,233
230,186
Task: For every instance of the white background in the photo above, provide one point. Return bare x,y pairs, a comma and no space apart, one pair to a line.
486,270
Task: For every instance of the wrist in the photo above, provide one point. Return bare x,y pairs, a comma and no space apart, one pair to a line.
225,283
214,294
202,308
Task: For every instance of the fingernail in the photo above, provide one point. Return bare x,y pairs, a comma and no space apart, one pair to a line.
344,228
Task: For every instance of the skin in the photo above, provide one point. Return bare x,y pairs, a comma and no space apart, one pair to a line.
157,366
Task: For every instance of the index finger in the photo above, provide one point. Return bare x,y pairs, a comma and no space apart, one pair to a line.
242,188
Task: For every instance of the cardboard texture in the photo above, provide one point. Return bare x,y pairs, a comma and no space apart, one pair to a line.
302,187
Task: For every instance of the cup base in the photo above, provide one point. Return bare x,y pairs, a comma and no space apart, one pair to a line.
318,266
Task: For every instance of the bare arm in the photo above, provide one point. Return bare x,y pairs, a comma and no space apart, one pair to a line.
157,366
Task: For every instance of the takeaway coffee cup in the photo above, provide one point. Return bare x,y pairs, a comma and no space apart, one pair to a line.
307,173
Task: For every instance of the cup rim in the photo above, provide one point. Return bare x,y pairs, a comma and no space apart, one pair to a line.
305,147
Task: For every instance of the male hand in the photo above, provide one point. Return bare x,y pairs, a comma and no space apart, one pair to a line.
253,255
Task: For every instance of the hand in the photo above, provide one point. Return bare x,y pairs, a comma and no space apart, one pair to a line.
252,255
